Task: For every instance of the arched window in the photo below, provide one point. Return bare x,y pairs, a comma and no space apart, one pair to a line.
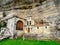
19,25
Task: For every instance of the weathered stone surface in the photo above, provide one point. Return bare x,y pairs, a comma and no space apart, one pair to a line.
4,33
48,12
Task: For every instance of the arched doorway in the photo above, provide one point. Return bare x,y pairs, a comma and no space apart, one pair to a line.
19,25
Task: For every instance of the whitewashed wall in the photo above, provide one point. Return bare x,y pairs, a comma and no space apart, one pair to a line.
41,30
11,26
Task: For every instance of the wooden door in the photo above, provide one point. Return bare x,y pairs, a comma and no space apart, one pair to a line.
19,25
28,29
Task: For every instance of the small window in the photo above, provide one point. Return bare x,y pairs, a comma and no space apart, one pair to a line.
30,22
27,22
37,27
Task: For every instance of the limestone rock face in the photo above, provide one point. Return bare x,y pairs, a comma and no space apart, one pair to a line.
21,4
5,1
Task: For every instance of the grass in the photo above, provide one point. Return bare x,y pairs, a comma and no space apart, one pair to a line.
19,41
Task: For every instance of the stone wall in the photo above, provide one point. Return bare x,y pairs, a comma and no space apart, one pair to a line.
11,26
47,11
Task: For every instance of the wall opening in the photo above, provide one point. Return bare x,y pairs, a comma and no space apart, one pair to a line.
19,25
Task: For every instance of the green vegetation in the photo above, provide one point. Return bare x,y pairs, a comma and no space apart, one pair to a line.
19,41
